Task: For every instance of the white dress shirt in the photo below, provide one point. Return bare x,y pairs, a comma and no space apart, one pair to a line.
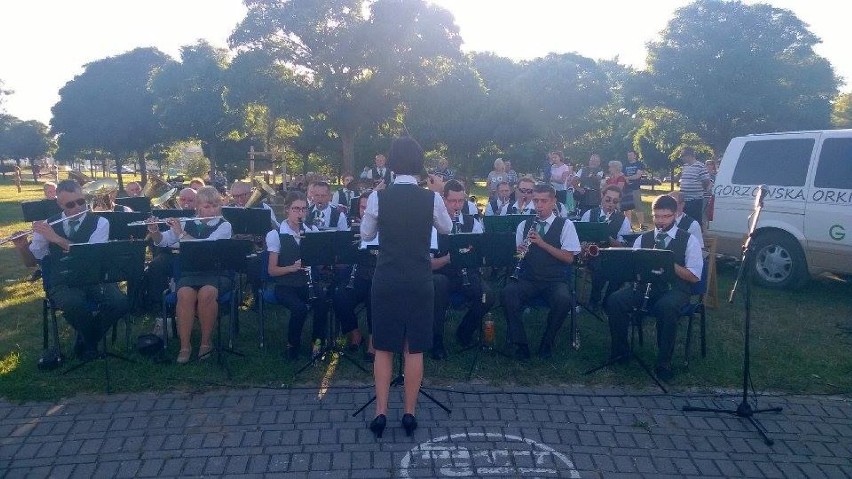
273,240
370,222
694,229
40,247
325,217
694,261
223,231
625,224
568,239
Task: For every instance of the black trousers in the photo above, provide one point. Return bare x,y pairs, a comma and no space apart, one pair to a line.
295,299
695,209
517,294
445,285
664,305
345,301
73,301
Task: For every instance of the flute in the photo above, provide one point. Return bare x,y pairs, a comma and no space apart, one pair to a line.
21,234
166,220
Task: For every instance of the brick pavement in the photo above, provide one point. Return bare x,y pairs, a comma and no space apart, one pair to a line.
571,432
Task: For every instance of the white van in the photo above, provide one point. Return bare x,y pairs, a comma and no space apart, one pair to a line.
806,224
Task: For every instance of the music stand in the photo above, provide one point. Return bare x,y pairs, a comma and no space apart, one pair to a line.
141,204
118,224
325,248
39,210
589,233
503,223
642,266
248,221
100,263
399,380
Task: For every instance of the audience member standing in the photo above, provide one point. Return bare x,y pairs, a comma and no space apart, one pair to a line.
694,181
633,171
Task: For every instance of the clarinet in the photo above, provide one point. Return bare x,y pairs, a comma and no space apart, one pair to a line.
312,294
351,284
527,242
465,277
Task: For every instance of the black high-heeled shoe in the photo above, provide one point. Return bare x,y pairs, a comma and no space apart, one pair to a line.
378,425
409,423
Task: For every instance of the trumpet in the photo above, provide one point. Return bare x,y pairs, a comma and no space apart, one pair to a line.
21,234
522,254
166,220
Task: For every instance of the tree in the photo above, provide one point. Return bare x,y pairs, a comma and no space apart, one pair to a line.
841,112
353,64
190,98
109,107
734,69
24,139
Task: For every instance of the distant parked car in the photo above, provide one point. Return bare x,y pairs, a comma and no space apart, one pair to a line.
124,169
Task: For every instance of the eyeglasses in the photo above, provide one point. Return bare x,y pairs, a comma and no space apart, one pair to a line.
298,208
77,202
525,191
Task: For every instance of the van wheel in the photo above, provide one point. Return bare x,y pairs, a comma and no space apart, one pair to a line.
779,262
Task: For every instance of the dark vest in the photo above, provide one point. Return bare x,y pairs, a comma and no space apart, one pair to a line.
678,247
405,225
496,210
685,222
374,172
539,265
616,219
290,252
201,230
82,235
333,219
450,269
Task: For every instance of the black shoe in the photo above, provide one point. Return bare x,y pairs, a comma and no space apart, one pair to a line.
291,352
409,423
663,373
35,276
378,424
522,352
545,351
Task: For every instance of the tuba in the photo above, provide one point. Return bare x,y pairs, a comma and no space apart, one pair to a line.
262,191
99,193
165,200
79,177
155,186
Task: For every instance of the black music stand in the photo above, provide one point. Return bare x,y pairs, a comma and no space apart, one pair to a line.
102,263
642,266
171,213
589,233
39,210
217,257
503,223
141,204
248,221
327,248
118,224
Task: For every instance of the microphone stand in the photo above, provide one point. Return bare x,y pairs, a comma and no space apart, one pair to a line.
744,409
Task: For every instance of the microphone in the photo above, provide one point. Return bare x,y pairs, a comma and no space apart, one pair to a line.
763,190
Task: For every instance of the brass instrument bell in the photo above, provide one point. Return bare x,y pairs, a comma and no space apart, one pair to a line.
155,186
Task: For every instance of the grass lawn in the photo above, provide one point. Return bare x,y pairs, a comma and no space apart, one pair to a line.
800,343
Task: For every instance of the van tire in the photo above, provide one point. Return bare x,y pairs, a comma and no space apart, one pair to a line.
779,262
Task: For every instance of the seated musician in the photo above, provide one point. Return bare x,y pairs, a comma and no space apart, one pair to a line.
196,184
241,192
502,204
449,279
552,245
186,199
197,294
322,214
346,299
51,243
663,303
106,202
524,204
291,282
686,222
617,225
344,195
133,189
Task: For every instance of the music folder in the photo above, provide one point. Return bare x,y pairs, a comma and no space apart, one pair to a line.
39,210
592,232
248,221
318,248
621,265
140,204
465,249
215,256
118,224
110,262
503,223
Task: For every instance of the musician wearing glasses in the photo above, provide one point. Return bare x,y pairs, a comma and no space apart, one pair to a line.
617,226
548,243
524,204
449,279
322,214
665,304
51,243
291,282
196,293
502,204
186,199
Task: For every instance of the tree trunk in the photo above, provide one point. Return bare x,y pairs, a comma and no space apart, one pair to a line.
347,137
143,168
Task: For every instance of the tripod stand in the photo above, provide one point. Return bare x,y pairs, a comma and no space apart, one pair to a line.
744,409
399,380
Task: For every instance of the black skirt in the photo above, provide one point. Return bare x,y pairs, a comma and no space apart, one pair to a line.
197,281
402,312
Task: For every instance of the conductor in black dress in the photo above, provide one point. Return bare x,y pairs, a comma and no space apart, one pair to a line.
402,294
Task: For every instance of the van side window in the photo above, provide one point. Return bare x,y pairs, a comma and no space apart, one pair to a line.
782,162
835,164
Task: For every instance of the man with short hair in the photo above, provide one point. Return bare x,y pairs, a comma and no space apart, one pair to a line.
51,244
694,181
524,203
617,226
186,199
588,183
449,279
686,222
321,214
344,195
380,173
545,270
133,189
663,303
241,192
633,171
502,204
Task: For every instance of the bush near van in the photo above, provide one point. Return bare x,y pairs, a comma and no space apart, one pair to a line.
806,225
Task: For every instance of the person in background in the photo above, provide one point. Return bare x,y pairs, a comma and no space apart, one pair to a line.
708,193
196,183
443,170
614,177
18,178
380,174
588,183
694,182
686,222
343,196
133,189
560,175
617,226
495,177
633,171
186,199
50,190
502,204
524,204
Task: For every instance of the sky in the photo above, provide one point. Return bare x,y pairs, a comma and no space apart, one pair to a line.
46,43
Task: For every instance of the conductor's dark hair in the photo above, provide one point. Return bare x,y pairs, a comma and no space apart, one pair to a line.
453,185
544,188
405,156
294,195
664,202
68,186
